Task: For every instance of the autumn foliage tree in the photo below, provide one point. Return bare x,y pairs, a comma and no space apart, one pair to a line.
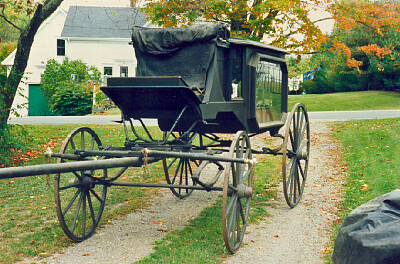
363,52
376,19
285,23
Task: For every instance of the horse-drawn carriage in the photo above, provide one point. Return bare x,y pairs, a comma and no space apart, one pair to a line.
197,82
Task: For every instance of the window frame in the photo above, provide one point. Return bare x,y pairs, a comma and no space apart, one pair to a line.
60,47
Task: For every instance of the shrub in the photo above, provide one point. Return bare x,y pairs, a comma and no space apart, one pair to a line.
66,86
72,101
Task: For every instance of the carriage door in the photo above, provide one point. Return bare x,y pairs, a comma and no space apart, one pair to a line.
270,75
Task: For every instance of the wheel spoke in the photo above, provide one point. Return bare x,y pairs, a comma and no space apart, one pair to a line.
232,214
77,213
82,140
77,175
291,178
172,163
291,139
69,186
298,177
301,171
177,171
92,144
72,144
91,208
84,214
97,197
71,202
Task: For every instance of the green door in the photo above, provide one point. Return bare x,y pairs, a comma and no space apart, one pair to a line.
37,105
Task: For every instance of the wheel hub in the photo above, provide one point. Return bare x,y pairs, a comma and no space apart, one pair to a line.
301,154
244,191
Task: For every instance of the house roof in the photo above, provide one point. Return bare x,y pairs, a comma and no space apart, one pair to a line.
101,22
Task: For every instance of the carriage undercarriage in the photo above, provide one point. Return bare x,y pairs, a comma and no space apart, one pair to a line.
183,161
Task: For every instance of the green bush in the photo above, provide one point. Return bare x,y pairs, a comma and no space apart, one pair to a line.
73,101
68,86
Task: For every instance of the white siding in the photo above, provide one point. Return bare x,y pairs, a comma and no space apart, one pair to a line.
43,48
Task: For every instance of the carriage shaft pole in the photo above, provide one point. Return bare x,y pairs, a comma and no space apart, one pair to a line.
17,172
157,154
189,187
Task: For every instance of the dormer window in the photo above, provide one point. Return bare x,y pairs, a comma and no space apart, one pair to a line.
60,47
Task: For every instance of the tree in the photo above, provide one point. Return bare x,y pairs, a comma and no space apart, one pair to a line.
5,50
40,13
372,19
363,52
16,13
66,86
285,23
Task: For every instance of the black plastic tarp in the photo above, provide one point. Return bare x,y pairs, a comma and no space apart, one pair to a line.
187,52
371,233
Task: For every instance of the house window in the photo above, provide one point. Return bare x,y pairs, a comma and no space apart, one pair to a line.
124,71
108,71
60,47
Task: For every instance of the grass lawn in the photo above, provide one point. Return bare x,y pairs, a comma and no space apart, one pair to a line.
349,101
371,150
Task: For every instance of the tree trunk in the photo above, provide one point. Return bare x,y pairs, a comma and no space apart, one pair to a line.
8,92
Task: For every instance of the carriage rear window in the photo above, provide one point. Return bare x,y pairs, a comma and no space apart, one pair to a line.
268,91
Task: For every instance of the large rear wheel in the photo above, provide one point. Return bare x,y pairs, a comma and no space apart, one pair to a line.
296,150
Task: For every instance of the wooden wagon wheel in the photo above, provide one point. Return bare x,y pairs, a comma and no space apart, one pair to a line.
179,171
237,192
296,149
80,199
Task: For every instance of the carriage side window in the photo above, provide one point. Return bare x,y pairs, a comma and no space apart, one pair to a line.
60,47
237,55
268,91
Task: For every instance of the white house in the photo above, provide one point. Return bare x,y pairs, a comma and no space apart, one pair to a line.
98,36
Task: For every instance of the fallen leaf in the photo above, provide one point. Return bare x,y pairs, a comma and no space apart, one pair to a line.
162,230
85,254
158,222
276,236
364,187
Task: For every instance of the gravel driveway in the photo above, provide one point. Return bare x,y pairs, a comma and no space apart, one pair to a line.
298,235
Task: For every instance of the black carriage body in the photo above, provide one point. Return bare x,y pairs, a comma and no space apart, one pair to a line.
200,78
